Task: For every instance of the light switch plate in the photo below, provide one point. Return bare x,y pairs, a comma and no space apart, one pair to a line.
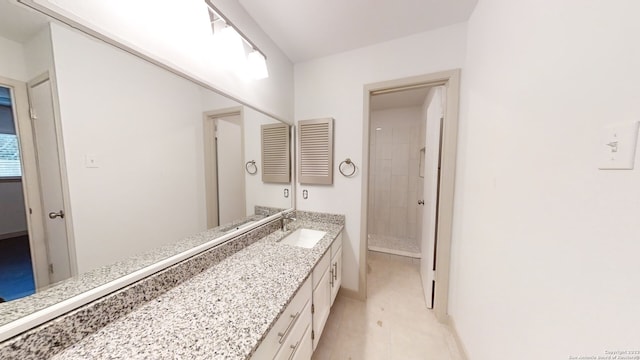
617,146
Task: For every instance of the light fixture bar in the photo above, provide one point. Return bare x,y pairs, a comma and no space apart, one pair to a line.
217,12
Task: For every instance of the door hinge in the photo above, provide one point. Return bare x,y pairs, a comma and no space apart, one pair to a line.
50,268
30,211
313,308
32,114
313,335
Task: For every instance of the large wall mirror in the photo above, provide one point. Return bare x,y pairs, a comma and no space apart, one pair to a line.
116,166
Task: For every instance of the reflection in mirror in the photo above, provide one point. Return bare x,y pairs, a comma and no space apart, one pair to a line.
117,166
14,243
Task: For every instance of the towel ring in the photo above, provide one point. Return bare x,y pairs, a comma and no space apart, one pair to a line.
348,162
249,165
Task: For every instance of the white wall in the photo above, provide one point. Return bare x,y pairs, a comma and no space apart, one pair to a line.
545,245
177,32
394,156
12,64
144,126
13,217
25,61
333,87
38,53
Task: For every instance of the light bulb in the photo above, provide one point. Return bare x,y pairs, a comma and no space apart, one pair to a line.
257,65
230,49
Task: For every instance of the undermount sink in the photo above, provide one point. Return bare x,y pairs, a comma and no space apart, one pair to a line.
305,238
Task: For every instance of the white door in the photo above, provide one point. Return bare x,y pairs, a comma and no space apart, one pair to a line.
430,194
46,140
230,160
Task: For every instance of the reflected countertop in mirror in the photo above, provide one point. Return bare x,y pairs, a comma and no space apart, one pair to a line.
132,149
76,285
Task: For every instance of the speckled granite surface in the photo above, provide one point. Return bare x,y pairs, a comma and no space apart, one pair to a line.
320,217
266,210
63,290
77,326
52,337
221,313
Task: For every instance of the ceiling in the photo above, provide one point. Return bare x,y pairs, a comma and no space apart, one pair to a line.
18,23
308,29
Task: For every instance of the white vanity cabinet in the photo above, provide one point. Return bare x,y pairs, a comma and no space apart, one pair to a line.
290,337
336,267
298,344
327,277
321,296
297,331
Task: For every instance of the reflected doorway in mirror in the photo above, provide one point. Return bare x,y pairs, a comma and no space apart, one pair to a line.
224,154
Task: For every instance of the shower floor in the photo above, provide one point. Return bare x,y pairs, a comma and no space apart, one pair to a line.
394,245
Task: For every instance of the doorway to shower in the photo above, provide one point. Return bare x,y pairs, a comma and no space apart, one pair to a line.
404,149
435,165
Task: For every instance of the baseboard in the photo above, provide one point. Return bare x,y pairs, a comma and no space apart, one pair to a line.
352,294
454,331
13,234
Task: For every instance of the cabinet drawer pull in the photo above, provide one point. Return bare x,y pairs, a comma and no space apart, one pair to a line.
282,335
293,349
335,271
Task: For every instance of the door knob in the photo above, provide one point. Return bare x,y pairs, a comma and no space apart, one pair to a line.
53,215
420,202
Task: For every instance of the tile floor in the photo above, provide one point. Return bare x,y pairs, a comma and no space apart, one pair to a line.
393,323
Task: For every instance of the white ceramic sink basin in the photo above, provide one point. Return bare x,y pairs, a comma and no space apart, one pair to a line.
305,238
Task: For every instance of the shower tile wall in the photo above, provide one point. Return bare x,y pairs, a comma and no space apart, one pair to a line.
394,155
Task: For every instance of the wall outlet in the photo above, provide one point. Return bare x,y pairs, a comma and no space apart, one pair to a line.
617,146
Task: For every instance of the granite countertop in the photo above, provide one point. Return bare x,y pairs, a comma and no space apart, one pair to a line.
73,286
222,313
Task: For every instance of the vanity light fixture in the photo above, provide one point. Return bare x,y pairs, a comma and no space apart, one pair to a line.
257,65
231,48
236,45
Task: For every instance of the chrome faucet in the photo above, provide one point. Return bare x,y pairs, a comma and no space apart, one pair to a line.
285,220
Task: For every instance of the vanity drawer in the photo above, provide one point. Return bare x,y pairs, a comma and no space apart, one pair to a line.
320,268
287,321
298,343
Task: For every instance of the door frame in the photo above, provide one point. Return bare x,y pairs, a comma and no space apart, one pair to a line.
211,162
30,181
64,180
450,79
